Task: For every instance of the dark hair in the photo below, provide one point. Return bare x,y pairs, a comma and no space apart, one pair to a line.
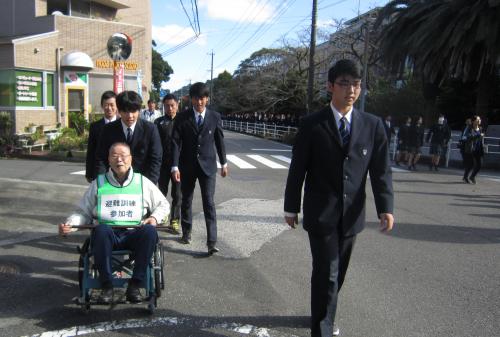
474,118
169,96
151,101
128,101
199,90
107,95
342,68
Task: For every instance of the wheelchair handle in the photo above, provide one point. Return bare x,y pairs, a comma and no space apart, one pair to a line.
159,228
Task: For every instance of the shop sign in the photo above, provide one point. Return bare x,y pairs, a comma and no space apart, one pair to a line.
119,79
74,78
128,65
29,88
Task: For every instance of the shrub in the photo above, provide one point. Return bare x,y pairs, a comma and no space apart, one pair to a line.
69,140
78,122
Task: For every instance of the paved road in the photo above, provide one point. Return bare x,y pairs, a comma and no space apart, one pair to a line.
437,274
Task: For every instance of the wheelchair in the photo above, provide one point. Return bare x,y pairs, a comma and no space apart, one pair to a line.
122,264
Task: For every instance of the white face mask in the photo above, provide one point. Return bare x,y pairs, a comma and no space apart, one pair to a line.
441,120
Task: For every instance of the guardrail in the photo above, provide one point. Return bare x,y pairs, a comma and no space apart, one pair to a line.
272,131
278,132
492,147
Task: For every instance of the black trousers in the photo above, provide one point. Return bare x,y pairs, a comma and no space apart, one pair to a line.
472,163
141,241
330,257
207,187
175,191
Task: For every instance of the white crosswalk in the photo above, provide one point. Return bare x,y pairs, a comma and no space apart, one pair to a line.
248,162
265,161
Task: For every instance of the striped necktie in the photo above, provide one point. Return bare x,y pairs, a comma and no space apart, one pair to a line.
129,136
200,120
344,132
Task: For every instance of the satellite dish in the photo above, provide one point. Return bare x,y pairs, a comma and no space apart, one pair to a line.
119,46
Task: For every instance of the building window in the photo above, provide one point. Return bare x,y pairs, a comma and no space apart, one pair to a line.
7,88
80,8
58,6
49,85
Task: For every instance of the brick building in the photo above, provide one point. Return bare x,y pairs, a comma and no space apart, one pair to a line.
53,56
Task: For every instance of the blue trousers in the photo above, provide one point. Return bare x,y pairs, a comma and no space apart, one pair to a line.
140,241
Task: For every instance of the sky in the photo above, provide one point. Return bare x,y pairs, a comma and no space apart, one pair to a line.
234,29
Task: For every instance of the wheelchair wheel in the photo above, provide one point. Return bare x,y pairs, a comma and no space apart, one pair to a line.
158,270
83,250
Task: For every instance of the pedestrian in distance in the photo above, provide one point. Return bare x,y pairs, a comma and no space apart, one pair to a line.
473,139
140,135
335,148
139,203
416,141
165,125
439,135
150,114
197,134
108,105
389,128
403,141
461,141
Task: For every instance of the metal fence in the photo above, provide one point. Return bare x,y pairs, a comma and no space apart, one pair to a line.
272,131
278,132
491,147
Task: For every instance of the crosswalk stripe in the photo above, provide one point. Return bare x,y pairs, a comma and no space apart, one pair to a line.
266,161
282,158
80,173
239,162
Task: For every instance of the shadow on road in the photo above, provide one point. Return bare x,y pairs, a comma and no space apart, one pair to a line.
443,233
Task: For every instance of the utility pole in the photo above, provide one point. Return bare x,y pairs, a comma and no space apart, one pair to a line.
312,49
211,77
365,68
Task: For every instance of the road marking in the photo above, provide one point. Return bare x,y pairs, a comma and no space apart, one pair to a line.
14,180
244,225
277,150
243,329
282,158
266,161
80,173
239,162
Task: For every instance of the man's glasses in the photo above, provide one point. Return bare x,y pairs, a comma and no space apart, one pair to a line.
348,84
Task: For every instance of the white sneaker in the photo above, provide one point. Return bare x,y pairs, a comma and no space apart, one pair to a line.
336,330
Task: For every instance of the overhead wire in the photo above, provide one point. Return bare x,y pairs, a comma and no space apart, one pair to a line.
282,8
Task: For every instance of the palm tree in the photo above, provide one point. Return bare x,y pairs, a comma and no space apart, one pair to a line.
443,39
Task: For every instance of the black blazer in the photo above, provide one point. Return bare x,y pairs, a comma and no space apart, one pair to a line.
334,191
145,147
94,133
191,146
165,127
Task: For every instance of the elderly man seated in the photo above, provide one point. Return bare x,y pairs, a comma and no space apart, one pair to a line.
121,197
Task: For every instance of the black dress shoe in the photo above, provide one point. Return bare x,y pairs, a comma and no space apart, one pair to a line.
212,249
466,180
185,239
106,295
134,294
472,180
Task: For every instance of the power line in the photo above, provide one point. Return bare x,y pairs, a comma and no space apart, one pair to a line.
283,7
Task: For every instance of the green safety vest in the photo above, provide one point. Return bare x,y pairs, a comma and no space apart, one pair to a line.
119,206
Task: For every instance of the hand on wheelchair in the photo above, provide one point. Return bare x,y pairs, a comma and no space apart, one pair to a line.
151,221
65,229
